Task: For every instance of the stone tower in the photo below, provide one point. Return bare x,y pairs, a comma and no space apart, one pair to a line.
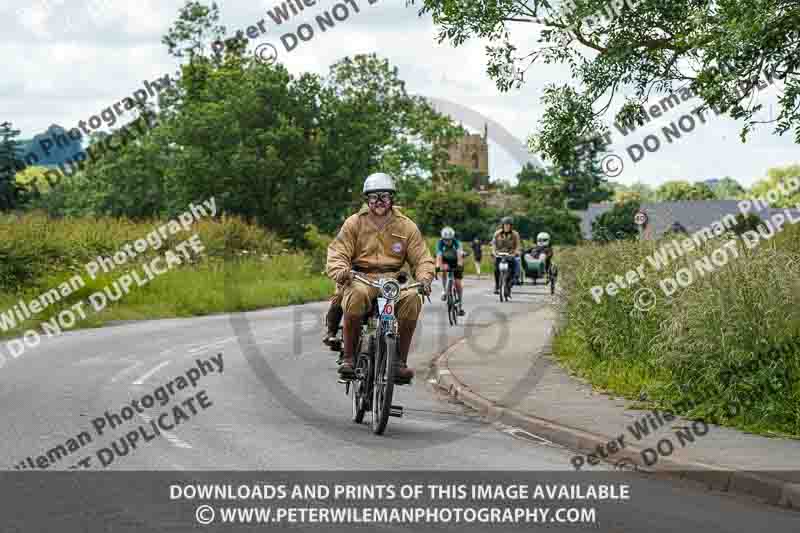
472,153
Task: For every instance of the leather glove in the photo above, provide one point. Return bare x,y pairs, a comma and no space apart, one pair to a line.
426,287
344,279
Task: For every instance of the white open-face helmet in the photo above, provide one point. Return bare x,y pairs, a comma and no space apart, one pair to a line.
448,233
379,182
543,239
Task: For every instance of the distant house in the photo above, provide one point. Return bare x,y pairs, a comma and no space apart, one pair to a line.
691,216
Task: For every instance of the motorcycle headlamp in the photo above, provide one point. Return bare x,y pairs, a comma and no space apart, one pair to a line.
391,289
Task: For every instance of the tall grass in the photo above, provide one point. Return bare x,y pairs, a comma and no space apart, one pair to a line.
727,345
242,268
33,245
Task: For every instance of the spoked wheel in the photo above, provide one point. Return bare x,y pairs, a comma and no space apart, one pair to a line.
505,288
452,310
361,387
383,389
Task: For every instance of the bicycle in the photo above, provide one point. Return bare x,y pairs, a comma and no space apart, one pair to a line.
377,358
452,296
506,261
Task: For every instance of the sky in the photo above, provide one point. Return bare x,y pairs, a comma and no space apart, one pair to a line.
66,61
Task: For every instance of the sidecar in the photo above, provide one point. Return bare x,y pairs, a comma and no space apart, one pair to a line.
534,266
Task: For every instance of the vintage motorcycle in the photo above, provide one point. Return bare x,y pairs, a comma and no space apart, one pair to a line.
376,355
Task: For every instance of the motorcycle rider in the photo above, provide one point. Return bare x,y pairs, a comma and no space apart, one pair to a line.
450,252
543,247
506,239
377,241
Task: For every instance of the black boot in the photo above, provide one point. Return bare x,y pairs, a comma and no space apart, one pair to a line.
350,333
332,320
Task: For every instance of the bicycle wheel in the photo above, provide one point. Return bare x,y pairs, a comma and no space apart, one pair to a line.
383,387
503,276
361,385
509,284
452,312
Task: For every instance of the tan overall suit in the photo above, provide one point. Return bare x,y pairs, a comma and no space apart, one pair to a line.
361,246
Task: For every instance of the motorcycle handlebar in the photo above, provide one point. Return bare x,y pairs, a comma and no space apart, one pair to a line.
365,280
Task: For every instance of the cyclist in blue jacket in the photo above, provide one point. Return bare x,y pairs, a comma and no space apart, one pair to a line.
450,252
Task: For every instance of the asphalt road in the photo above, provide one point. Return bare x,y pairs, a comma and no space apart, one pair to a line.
276,406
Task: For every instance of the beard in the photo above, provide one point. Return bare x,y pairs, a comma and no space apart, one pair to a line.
380,209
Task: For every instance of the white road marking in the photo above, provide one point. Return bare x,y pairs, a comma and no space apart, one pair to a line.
224,341
521,433
175,441
142,379
195,349
90,361
125,371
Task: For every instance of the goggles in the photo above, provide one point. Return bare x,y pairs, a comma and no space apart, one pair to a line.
384,197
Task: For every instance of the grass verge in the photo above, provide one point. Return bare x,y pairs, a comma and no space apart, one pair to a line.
242,268
724,348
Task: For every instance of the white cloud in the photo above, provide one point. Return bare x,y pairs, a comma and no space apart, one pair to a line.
63,71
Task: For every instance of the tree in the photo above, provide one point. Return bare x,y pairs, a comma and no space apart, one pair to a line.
529,173
33,179
281,150
436,209
674,191
706,47
9,163
574,186
748,222
701,191
616,223
780,177
582,178
541,186
638,191
727,189
543,194
561,224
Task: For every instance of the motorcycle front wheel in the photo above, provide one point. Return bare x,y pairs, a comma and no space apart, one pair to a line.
383,387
